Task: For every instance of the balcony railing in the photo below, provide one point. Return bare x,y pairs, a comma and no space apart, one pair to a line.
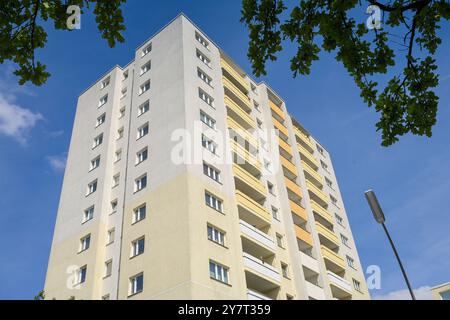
298,210
236,76
245,155
283,130
294,190
249,180
317,192
257,235
260,267
253,295
277,110
290,167
252,206
332,257
304,139
308,156
242,132
327,233
317,208
339,282
314,291
309,262
312,175
241,113
303,235
286,147
237,93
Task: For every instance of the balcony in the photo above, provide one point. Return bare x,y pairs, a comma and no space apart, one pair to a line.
253,208
321,211
245,158
235,75
242,132
309,262
331,238
294,190
304,140
253,295
240,114
303,235
312,175
256,235
289,168
340,287
236,93
317,194
314,291
260,268
298,211
308,157
284,134
277,111
248,183
335,262
285,149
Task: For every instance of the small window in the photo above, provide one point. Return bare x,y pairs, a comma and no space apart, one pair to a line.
103,101
259,123
333,200
350,262
114,205
319,149
344,240
92,187
324,165
140,183
268,165
97,141
285,270
81,275
116,180
122,112
218,272
257,106
143,108
88,214
146,68
137,247
125,76
141,155
275,213
105,83
209,144
136,284
202,75
206,97
215,235
213,202
329,183
211,172
95,163
118,155
144,87
111,236
142,131
100,120
106,297
280,240
357,285
203,58
253,88
146,50
289,297
108,268
139,213
85,243
339,219
271,188
123,93
120,133
201,40
206,119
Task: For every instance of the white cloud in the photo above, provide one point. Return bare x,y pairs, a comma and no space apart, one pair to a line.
16,121
422,293
58,163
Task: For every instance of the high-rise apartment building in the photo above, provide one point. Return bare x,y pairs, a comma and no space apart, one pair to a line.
176,188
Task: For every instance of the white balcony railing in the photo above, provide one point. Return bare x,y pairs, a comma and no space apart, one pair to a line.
253,295
257,235
339,282
309,262
261,267
314,291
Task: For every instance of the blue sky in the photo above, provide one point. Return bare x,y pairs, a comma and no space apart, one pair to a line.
412,178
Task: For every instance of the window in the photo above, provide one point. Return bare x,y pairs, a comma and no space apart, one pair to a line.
100,120
339,219
216,235
105,83
88,214
143,108
114,204
111,236
218,272
289,297
123,93
146,50
210,122
202,75
357,285
106,297
211,172
350,262
142,131
125,76
118,155
275,214
259,123
271,188
81,275
122,112
97,141
103,101
206,97
319,149
268,165
85,243
120,132
333,200
92,187
108,268
285,270
95,163
324,165
140,183
280,240
344,240
139,213
137,247
202,40
213,202
329,182
142,155
146,67
136,284
116,180
203,58
209,144
144,87
257,106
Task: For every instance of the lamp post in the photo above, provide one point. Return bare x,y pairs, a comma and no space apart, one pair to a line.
380,218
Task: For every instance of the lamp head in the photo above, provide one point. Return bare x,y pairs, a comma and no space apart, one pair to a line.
375,206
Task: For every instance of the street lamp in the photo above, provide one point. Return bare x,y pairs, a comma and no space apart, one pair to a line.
380,218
